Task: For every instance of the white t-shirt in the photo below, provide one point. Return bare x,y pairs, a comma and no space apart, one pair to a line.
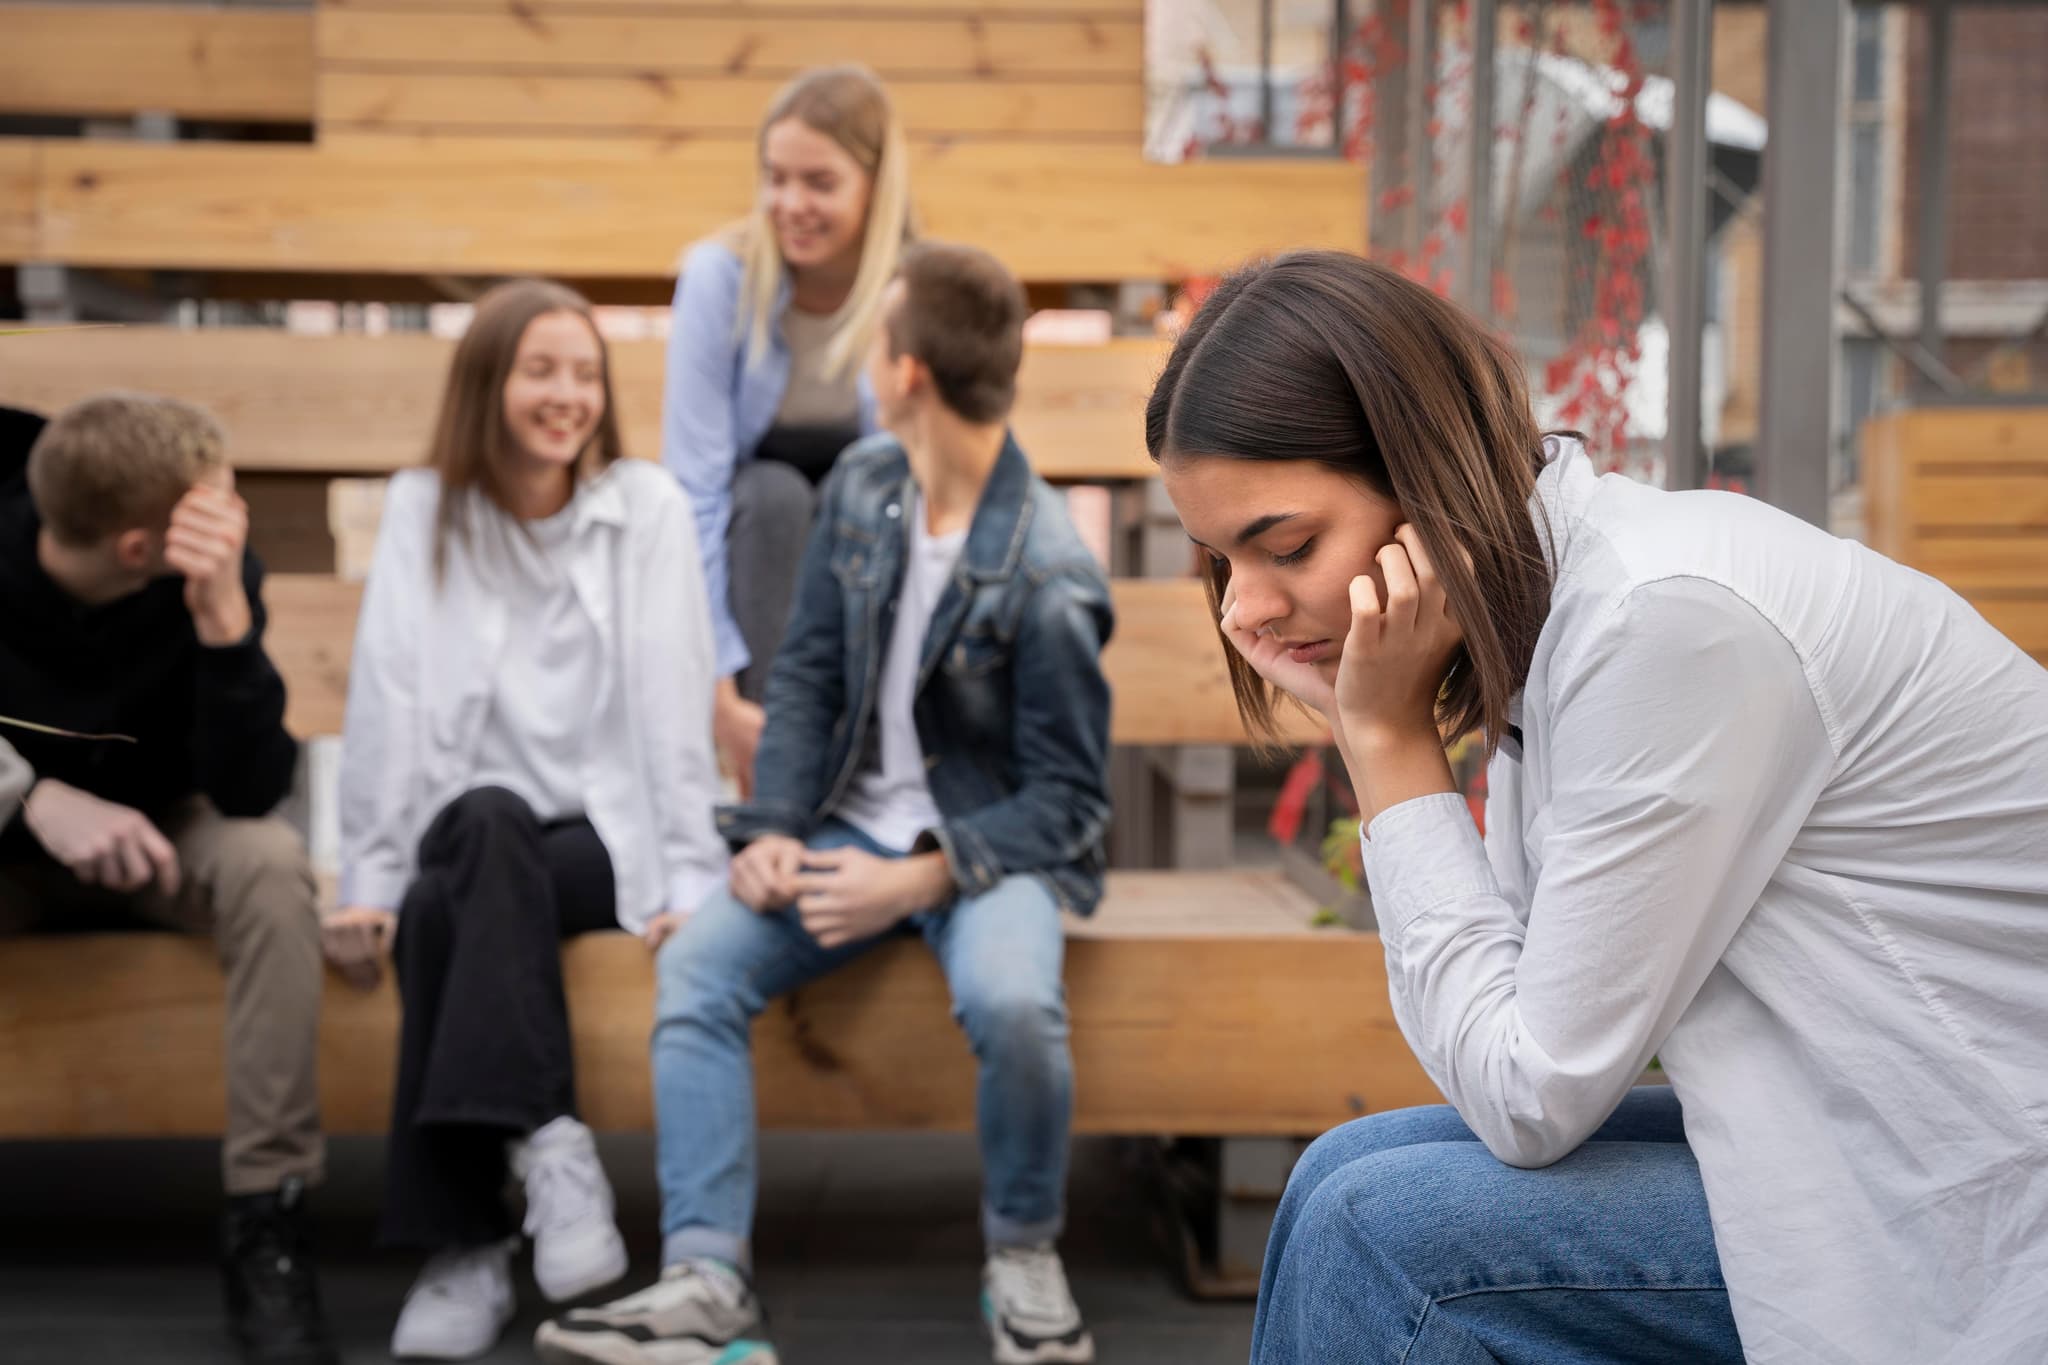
1779,814
890,801
538,730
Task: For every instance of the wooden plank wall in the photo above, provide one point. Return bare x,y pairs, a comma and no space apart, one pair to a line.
1962,494
196,62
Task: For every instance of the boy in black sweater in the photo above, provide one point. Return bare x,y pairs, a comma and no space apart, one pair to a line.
142,747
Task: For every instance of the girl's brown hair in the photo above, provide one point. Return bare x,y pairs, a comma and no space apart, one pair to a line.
1324,356
471,446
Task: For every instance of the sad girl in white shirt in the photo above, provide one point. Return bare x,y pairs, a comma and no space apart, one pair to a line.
1761,802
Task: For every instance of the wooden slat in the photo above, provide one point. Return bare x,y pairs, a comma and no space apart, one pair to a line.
20,188
595,209
2022,618
354,404
1962,493
1243,1024
725,43
642,104
1165,663
2017,499
193,61
1932,437
1968,561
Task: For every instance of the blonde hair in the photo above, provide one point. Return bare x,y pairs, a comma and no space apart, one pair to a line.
119,462
848,105
471,446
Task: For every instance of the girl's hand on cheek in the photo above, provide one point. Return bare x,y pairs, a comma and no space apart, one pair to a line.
1399,647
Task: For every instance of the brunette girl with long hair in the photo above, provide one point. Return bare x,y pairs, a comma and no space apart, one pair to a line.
526,756
1761,803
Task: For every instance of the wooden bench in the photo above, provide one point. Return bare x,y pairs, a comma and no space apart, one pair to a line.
324,406
1202,1003
1962,494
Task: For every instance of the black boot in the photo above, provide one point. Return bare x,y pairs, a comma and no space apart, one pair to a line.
267,1272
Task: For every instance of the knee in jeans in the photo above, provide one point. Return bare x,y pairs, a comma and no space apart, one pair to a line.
689,987
998,1009
1407,1205
1335,1149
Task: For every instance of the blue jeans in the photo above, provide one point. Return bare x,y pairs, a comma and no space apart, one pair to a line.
1001,953
1402,1239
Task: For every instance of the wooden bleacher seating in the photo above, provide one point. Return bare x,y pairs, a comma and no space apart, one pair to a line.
1202,1003
361,405
1962,494
594,144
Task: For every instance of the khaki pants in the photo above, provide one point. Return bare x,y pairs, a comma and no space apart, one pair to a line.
250,885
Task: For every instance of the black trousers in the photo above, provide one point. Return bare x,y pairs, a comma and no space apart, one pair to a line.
483,1047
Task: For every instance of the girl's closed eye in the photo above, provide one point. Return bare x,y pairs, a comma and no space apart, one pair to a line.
1295,556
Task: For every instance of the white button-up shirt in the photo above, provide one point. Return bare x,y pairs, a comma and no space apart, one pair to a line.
427,658
1779,814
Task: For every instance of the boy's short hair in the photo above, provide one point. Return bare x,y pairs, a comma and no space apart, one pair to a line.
120,461
962,314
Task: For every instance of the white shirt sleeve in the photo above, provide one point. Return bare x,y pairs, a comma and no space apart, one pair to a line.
1686,750
379,733
674,669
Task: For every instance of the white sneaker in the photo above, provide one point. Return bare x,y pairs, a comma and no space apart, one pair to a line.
569,1215
458,1306
1030,1312
700,1312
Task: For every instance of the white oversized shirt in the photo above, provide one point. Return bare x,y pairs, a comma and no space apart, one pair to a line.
1779,814
538,731
427,654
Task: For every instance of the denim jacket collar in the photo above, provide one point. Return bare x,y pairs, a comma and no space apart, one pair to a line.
1002,520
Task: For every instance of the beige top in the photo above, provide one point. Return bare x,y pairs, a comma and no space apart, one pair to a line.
814,399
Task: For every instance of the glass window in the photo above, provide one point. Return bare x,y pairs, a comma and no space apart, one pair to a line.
1869,58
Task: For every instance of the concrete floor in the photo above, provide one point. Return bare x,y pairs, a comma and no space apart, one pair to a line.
868,1247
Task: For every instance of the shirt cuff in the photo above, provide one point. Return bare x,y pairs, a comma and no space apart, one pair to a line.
1422,854
376,885
688,889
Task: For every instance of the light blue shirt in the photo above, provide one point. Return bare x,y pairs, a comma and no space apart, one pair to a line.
715,408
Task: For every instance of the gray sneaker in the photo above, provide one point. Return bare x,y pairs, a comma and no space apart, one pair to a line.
1030,1312
700,1312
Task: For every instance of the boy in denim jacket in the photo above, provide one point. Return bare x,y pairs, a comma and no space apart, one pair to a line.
934,762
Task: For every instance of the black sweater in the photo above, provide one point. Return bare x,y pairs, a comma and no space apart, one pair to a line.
206,720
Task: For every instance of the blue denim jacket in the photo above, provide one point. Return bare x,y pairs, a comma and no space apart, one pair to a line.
716,407
1012,710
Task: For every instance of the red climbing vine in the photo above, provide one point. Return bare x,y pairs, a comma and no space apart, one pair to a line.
1586,383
